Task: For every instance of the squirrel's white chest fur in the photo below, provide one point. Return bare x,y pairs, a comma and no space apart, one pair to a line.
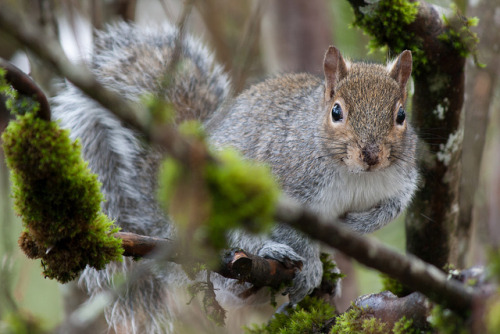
356,192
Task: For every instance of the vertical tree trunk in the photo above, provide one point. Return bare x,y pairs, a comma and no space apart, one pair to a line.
437,113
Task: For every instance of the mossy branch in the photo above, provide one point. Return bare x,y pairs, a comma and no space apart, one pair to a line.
439,47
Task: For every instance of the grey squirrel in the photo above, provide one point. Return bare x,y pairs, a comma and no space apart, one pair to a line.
340,145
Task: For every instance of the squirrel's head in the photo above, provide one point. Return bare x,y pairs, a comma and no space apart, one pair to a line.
364,112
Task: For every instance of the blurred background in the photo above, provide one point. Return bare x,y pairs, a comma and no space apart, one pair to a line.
253,40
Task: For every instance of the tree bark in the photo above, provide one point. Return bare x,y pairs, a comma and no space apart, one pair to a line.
437,111
433,215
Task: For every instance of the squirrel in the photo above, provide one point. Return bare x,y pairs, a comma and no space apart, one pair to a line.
341,145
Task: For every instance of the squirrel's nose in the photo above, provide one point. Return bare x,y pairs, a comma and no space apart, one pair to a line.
370,154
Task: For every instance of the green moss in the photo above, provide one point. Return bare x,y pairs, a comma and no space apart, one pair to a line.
444,321
330,271
309,316
16,104
492,316
66,258
387,21
169,177
405,326
243,193
494,263
240,193
373,325
356,321
192,128
53,189
57,197
20,322
394,286
160,111
349,322
459,36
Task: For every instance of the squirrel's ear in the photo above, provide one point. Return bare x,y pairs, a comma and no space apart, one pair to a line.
401,68
335,70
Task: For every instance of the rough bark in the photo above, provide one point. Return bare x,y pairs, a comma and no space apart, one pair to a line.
433,215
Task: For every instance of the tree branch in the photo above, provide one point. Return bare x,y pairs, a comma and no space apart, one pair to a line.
409,270
236,264
437,108
26,86
433,216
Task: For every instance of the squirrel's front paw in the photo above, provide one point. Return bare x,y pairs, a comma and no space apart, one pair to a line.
363,222
308,275
305,281
282,253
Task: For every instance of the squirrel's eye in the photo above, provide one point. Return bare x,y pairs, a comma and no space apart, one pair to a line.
337,112
400,118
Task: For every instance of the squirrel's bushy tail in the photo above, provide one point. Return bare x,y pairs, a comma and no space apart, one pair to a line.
138,60
134,61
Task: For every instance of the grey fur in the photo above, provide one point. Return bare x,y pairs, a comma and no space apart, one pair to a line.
281,122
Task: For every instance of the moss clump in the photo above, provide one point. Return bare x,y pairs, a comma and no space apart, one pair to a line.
20,322
68,256
394,286
459,36
444,321
53,189
240,193
192,128
58,199
243,193
492,316
356,321
494,263
309,316
330,271
405,326
159,110
387,21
